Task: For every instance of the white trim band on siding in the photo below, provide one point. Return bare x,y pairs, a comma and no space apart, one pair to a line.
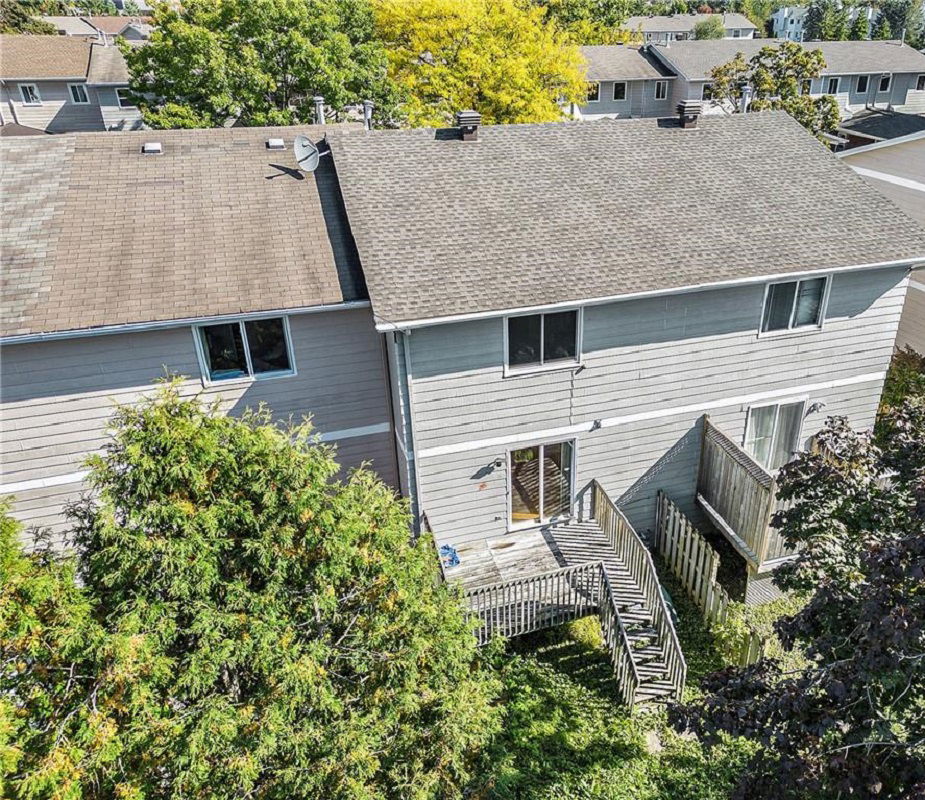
906,183
136,327
385,325
77,477
917,285
588,427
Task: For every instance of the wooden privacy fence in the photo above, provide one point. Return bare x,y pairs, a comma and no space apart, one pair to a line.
694,562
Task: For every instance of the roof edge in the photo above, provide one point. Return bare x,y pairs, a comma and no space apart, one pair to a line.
879,143
386,326
182,322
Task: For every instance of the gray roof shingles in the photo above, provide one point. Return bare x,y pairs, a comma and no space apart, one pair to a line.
621,62
531,215
215,225
684,22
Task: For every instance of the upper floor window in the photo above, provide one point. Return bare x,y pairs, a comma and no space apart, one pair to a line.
661,90
793,304
863,83
884,83
124,97
772,433
833,84
706,91
30,94
78,93
920,83
736,33
806,86
258,348
619,91
594,92
538,340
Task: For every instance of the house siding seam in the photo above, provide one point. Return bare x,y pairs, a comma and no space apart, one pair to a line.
912,323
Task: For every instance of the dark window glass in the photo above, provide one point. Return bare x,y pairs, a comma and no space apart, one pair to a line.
557,479
778,306
619,91
885,83
224,351
809,302
787,435
594,92
862,84
523,340
525,485
833,86
266,340
560,332
707,92
920,83
661,90
806,86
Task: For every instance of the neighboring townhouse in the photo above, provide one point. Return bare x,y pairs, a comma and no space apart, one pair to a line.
624,81
896,169
70,25
219,262
878,125
788,22
860,75
60,84
679,27
132,29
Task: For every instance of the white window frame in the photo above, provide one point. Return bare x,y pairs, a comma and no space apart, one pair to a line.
790,330
613,94
889,83
866,89
251,376
828,84
920,79
35,91
703,91
528,369
70,91
665,85
598,98
787,401
541,443
119,98
736,33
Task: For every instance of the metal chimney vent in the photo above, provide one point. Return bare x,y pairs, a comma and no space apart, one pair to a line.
468,122
276,144
152,148
688,112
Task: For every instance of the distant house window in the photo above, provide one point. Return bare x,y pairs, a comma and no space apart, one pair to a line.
661,90
124,98
736,33
539,340
884,83
78,93
920,83
806,87
863,83
541,482
594,92
793,304
30,94
833,84
619,91
706,91
258,348
772,433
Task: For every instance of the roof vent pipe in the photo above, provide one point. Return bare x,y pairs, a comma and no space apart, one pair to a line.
319,109
368,106
688,113
152,148
468,123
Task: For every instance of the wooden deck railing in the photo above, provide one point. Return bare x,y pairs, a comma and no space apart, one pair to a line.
617,643
624,540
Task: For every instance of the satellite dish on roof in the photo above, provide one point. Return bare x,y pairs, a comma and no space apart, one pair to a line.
306,154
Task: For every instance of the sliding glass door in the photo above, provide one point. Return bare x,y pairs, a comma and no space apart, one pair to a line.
541,483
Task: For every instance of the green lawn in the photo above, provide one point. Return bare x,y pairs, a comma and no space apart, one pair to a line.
566,737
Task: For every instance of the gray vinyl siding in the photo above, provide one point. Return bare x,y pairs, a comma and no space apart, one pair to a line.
640,101
59,114
116,118
912,324
56,397
654,355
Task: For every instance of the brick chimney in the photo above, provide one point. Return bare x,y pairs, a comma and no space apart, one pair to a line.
688,113
468,123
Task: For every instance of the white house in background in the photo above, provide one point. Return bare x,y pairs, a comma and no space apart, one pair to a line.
860,75
679,27
59,84
102,29
624,81
789,21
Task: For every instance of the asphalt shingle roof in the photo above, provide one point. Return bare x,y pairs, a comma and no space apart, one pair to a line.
881,124
539,214
215,225
683,22
621,62
695,59
60,58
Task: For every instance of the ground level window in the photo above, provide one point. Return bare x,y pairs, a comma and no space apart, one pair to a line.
619,91
79,93
254,348
661,90
594,92
885,83
541,482
793,304
920,83
124,98
862,84
706,91
772,434
30,94
833,85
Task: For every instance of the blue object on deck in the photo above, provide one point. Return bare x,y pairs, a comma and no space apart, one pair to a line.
449,556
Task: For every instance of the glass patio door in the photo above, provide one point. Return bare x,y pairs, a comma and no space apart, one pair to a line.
541,483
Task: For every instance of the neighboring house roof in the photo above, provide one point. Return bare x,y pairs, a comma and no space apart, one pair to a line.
695,59
878,124
896,169
60,58
621,62
71,25
683,23
535,215
112,25
217,224
15,129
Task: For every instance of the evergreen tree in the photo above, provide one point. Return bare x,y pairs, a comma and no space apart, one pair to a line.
817,20
840,23
860,28
882,28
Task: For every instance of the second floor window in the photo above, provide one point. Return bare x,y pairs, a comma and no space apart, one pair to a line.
79,94
538,340
619,91
661,90
772,433
124,98
706,91
256,348
594,92
793,304
920,83
30,94
833,86
884,83
863,83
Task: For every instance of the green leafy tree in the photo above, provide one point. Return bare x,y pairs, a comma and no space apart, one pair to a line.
776,76
882,29
591,21
860,28
759,12
17,17
710,28
850,723
246,625
260,61
131,8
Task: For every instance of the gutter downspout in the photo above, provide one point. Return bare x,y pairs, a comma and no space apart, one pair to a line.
403,342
